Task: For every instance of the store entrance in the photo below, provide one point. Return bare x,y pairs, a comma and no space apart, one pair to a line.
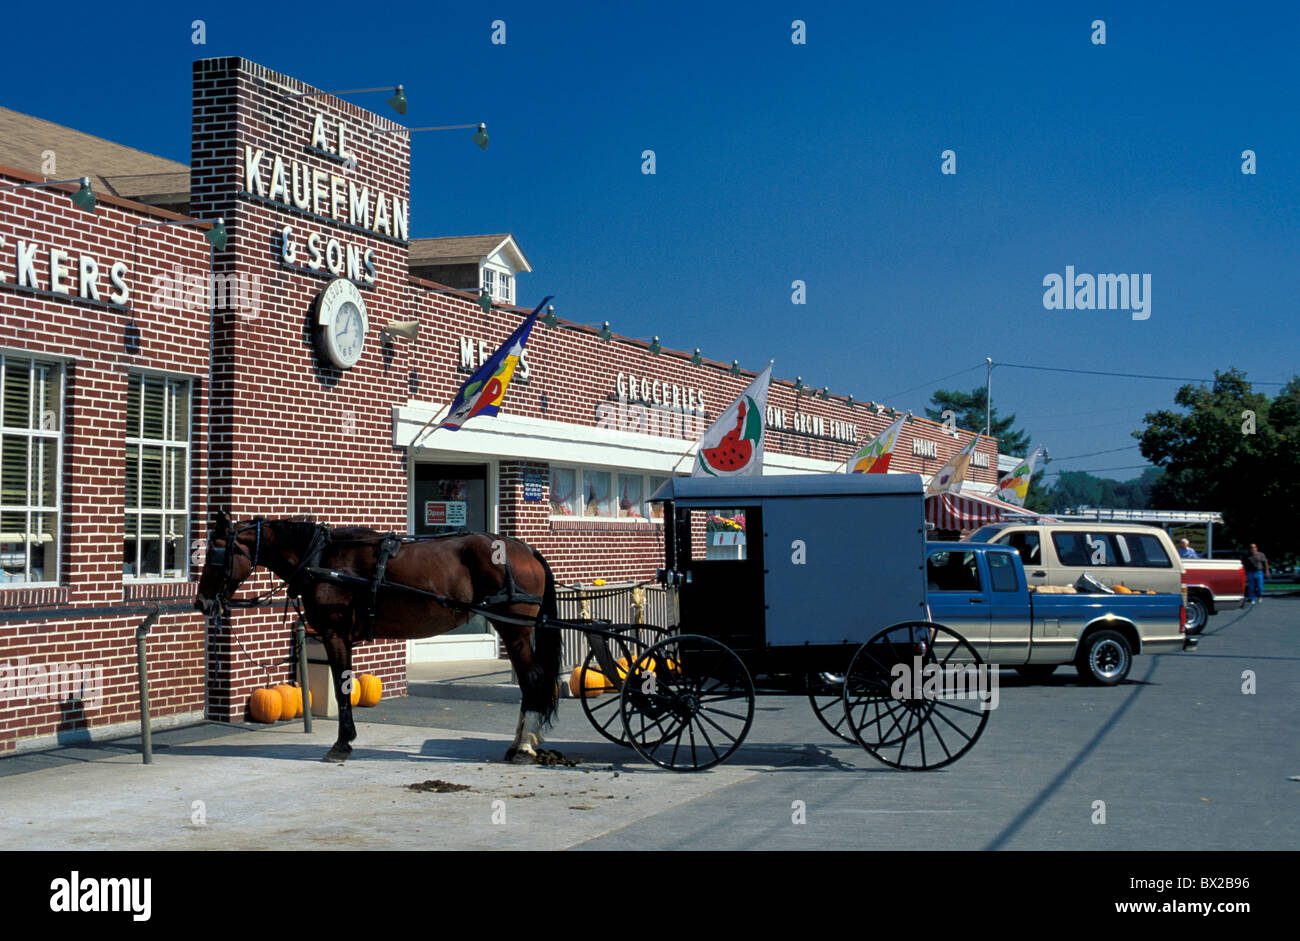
447,498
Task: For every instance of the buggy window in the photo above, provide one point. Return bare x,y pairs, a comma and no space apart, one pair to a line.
1002,572
947,570
718,535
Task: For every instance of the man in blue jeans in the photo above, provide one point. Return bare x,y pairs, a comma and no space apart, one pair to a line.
1256,565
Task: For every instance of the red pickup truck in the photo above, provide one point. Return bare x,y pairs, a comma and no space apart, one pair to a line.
1212,585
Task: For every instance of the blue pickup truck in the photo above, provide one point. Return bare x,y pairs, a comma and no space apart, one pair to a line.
980,590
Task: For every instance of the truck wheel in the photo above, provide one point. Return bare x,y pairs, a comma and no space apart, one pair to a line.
1036,672
1105,659
1198,612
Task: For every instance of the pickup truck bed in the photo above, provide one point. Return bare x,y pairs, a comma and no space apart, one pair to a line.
1212,585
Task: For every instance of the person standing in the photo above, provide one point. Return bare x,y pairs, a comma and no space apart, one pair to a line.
1185,550
1256,565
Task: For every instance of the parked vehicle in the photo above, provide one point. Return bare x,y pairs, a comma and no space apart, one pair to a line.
982,590
1212,585
1131,555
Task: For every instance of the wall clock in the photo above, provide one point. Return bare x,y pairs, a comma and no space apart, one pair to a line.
341,323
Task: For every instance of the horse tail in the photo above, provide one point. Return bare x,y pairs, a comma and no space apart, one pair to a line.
548,645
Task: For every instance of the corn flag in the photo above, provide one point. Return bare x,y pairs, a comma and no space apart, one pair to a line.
483,391
873,457
949,477
733,445
1013,487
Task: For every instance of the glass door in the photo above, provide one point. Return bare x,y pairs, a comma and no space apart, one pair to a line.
448,498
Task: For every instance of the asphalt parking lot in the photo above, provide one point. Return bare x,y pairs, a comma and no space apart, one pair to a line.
1179,757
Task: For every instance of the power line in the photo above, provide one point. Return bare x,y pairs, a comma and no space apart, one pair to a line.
1124,375
1095,453
933,381
1097,470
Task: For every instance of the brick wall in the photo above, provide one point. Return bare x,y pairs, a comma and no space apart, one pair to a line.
99,345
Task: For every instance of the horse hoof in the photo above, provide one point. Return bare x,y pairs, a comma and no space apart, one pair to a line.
518,756
336,756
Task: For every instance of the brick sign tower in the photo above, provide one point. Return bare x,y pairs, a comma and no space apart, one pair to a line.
315,193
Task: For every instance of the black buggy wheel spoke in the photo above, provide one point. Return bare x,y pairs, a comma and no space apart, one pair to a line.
704,676
922,711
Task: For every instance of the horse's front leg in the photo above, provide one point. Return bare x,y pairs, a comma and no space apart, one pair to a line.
339,650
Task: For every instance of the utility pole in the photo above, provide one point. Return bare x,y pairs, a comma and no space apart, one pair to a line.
988,397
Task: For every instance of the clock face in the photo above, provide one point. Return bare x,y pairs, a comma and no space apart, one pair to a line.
341,323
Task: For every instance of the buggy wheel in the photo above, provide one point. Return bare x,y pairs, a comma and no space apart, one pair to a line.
687,704
826,694
603,711
917,723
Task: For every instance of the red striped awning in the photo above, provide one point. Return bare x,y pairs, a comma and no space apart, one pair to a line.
968,510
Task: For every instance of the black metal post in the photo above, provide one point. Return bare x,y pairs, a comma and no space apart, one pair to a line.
142,665
300,632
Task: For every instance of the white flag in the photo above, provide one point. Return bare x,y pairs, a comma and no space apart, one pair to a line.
733,445
949,477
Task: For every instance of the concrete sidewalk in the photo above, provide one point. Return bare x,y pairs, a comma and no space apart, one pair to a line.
268,789
484,680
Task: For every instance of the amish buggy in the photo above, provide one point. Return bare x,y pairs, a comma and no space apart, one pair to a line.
811,586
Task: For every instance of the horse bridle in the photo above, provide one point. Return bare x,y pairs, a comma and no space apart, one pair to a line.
221,555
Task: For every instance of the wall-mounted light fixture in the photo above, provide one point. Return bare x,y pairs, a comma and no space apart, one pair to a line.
605,332
215,233
735,367
655,348
826,394
798,384
484,300
479,137
550,319
402,328
397,101
84,197
696,358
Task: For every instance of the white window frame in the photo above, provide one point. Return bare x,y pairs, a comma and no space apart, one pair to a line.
614,472
33,434
183,573
487,281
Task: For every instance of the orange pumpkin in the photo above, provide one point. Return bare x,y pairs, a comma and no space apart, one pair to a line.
591,682
264,705
372,689
290,701
1122,590
355,696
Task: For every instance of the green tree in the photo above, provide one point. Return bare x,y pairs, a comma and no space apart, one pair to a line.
968,411
1079,488
1231,449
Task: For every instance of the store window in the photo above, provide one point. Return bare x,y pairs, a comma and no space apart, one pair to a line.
564,491
630,503
656,509
597,497
157,477
31,448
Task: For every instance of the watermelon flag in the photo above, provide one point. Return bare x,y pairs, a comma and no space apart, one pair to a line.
483,391
733,445
949,477
1013,487
873,457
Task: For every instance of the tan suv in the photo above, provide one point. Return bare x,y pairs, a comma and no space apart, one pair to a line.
1135,556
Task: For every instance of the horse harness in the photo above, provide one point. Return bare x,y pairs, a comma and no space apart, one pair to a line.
390,545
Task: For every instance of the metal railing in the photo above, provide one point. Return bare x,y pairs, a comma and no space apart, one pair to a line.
618,604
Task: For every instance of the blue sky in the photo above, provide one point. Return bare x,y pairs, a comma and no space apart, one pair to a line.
816,162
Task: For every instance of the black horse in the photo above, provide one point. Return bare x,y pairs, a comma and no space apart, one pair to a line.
333,571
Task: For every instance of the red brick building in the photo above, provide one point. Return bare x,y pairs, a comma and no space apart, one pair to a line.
315,195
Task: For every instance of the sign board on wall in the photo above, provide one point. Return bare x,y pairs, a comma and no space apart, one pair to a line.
445,513
533,488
